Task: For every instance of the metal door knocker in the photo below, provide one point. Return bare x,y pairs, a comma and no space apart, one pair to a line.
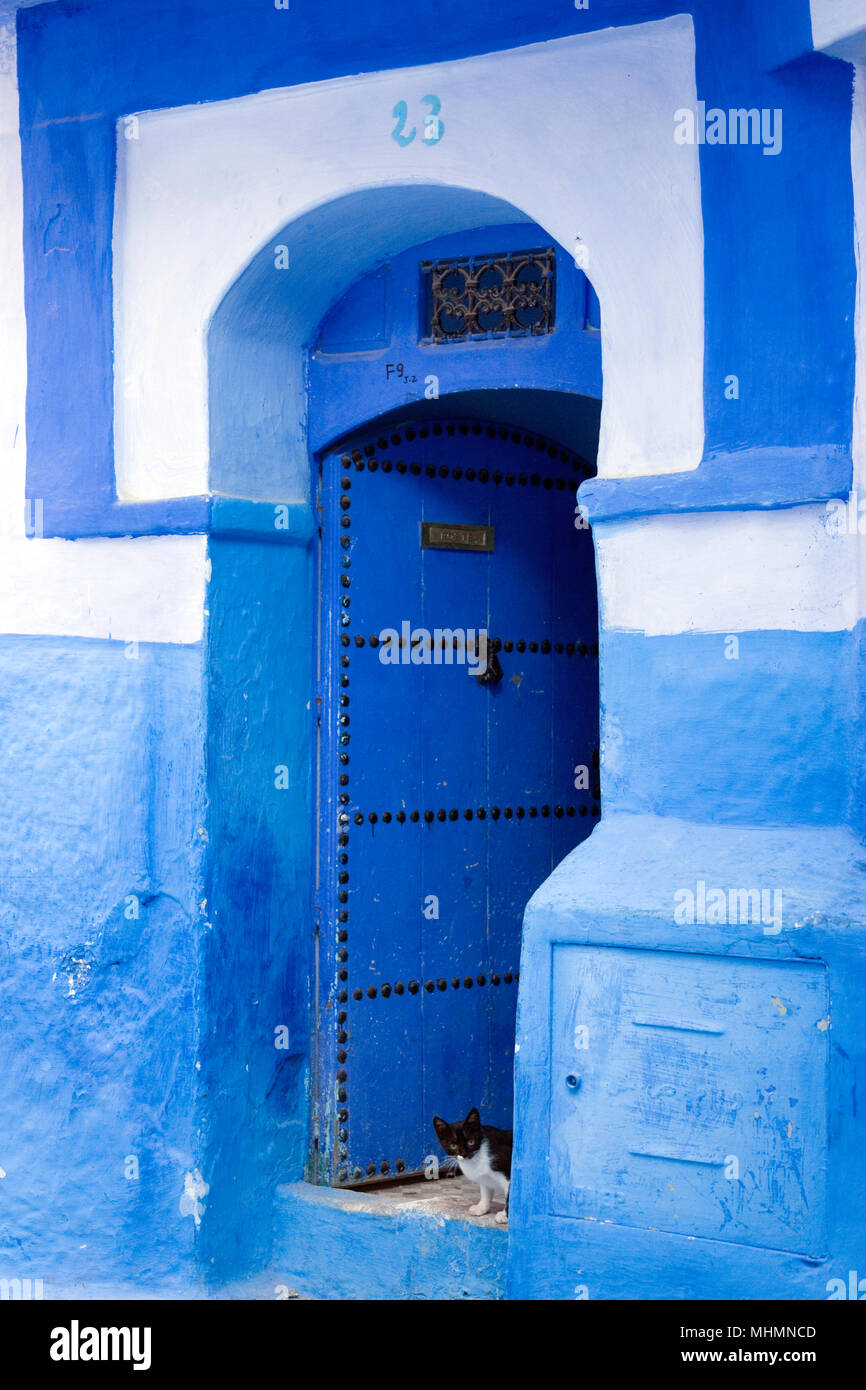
493,672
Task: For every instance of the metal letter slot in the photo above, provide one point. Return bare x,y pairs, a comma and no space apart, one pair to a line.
443,535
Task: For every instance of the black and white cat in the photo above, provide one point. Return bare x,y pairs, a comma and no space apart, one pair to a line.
484,1155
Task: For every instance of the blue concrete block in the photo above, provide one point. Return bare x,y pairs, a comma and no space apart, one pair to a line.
687,1116
356,1245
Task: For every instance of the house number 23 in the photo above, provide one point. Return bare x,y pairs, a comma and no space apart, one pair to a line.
434,128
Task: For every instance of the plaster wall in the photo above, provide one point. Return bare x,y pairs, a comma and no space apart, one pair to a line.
101,789
251,166
101,826
838,27
109,791
858,175
148,590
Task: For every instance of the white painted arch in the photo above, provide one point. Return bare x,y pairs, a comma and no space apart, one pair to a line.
576,133
839,28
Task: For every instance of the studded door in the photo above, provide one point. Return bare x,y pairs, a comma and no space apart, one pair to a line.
445,799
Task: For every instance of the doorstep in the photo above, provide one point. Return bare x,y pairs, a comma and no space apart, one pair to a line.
411,1241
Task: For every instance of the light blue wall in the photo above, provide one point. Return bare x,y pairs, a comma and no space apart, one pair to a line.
337,1245
102,789
733,1097
765,738
153,1036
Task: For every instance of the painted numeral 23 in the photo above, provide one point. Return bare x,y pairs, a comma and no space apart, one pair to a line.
434,128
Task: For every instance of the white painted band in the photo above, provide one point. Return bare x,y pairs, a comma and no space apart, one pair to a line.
729,572
146,590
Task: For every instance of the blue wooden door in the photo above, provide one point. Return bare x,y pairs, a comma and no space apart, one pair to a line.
445,799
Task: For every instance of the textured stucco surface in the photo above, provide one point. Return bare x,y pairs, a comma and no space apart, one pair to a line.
101,787
154,884
618,890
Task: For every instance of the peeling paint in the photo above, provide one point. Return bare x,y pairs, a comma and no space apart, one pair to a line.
194,1190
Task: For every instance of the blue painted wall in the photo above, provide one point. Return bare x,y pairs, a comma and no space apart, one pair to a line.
765,738
146,983
779,254
111,793
857,793
257,955
102,789
392,1254
779,267
725,1095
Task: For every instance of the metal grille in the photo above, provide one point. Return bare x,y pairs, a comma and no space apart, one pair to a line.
499,296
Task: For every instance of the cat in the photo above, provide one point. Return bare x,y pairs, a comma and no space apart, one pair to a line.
484,1155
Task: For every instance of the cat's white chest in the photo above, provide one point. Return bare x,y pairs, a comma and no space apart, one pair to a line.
479,1170
478,1166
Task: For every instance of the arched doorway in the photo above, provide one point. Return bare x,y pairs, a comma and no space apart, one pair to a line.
457,765
297,376
457,755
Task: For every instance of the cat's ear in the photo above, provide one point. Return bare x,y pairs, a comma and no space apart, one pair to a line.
442,1128
473,1119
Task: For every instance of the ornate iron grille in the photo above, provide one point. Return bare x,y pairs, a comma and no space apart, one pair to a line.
501,296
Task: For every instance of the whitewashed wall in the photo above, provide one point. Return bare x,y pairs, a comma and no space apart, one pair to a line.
839,28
